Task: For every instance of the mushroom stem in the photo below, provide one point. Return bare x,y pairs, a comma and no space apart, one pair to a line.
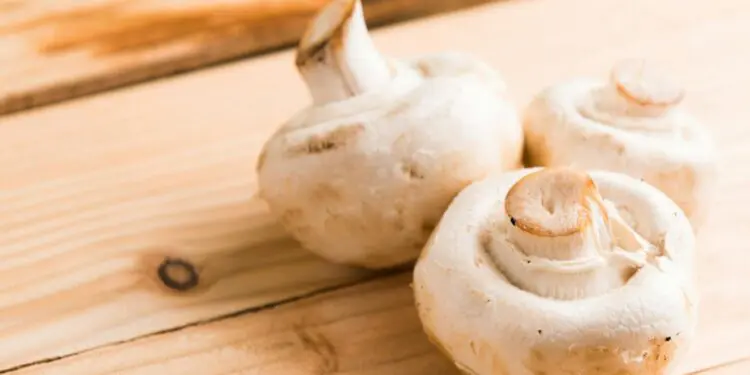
336,56
560,243
637,89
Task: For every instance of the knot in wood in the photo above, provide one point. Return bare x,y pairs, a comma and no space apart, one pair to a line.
178,274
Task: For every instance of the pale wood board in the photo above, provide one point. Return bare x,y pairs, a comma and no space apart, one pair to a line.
56,50
90,188
368,329
738,367
365,330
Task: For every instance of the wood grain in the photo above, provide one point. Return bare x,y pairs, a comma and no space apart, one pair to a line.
93,202
364,330
96,193
741,366
52,51
368,329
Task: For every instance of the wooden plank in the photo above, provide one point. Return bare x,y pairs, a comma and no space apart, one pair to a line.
741,366
93,199
95,193
368,329
52,51
364,330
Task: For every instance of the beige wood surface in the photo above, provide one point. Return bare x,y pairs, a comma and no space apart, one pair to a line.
738,367
96,192
55,50
368,329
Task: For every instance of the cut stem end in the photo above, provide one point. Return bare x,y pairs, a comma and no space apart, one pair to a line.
636,88
552,210
559,238
336,56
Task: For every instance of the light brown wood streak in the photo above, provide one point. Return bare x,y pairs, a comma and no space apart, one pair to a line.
740,366
64,49
94,193
114,225
368,329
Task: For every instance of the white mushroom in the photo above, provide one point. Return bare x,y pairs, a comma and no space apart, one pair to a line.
557,271
634,124
362,176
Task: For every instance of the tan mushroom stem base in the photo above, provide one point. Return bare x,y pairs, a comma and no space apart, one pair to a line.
558,240
635,89
336,56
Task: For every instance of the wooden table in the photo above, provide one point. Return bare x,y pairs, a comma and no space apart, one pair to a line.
99,193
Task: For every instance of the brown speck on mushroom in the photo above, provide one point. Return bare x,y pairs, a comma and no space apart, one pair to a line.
600,359
661,245
332,140
412,171
661,354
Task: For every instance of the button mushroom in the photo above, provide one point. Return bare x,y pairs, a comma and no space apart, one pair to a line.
634,124
362,175
558,271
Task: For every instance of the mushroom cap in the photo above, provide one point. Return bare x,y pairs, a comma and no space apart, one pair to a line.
363,180
474,311
633,123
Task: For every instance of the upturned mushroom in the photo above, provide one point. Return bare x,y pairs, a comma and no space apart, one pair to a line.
362,175
559,271
633,123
